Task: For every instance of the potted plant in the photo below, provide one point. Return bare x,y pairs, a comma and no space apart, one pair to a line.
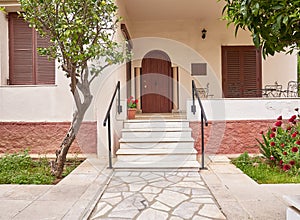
131,110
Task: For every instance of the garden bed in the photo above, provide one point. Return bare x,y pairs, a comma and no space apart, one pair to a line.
20,168
263,172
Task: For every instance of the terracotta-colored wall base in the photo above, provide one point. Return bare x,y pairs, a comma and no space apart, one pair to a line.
230,137
45,138
221,137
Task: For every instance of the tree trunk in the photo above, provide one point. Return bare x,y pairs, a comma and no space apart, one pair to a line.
57,166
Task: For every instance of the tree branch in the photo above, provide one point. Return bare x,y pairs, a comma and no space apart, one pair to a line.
94,76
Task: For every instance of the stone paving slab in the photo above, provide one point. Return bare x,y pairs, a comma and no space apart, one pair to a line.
157,195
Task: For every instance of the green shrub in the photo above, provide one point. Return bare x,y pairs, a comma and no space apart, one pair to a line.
280,144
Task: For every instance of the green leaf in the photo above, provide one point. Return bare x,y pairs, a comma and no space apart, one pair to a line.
285,20
256,40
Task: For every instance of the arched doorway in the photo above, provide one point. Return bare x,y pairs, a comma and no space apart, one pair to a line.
156,83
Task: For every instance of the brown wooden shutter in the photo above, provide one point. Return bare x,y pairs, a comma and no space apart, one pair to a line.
233,80
26,66
21,47
45,68
241,71
251,72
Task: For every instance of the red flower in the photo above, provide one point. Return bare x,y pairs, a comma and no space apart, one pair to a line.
272,158
294,135
272,143
282,145
286,167
292,162
284,153
272,135
295,149
261,132
279,118
280,162
136,101
288,128
278,123
273,129
292,119
298,142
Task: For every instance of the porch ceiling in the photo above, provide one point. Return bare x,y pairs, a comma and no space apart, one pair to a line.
156,10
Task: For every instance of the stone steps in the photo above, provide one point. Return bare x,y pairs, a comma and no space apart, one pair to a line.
156,123
156,143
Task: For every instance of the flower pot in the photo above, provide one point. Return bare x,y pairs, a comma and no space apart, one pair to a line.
131,113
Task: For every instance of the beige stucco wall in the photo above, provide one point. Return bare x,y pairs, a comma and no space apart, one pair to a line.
281,68
181,40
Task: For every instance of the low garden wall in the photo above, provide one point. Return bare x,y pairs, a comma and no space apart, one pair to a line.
45,137
230,137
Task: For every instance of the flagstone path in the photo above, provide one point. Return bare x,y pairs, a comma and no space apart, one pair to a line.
157,195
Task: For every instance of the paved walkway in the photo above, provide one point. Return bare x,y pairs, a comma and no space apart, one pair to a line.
94,192
157,195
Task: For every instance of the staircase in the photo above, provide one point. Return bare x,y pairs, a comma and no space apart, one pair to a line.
158,143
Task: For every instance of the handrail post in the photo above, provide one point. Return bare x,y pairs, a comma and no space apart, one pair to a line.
202,141
107,120
203,117
193,93
119,97
109,142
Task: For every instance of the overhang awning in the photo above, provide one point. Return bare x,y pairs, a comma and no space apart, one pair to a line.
10,6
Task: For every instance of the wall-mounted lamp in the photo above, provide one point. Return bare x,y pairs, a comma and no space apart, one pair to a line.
204,33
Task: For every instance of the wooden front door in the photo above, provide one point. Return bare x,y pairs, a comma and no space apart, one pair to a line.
156,83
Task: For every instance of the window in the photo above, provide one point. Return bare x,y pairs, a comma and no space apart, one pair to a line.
26,66
241,71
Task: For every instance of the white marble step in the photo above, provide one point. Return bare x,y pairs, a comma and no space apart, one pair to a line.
156,134
158,145
156,140
155,151
156,124
156,157
157,165
157,129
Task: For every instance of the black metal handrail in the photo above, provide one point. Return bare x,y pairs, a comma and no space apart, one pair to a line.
107,119
203,118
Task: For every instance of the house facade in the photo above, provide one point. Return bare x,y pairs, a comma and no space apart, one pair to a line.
173,42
